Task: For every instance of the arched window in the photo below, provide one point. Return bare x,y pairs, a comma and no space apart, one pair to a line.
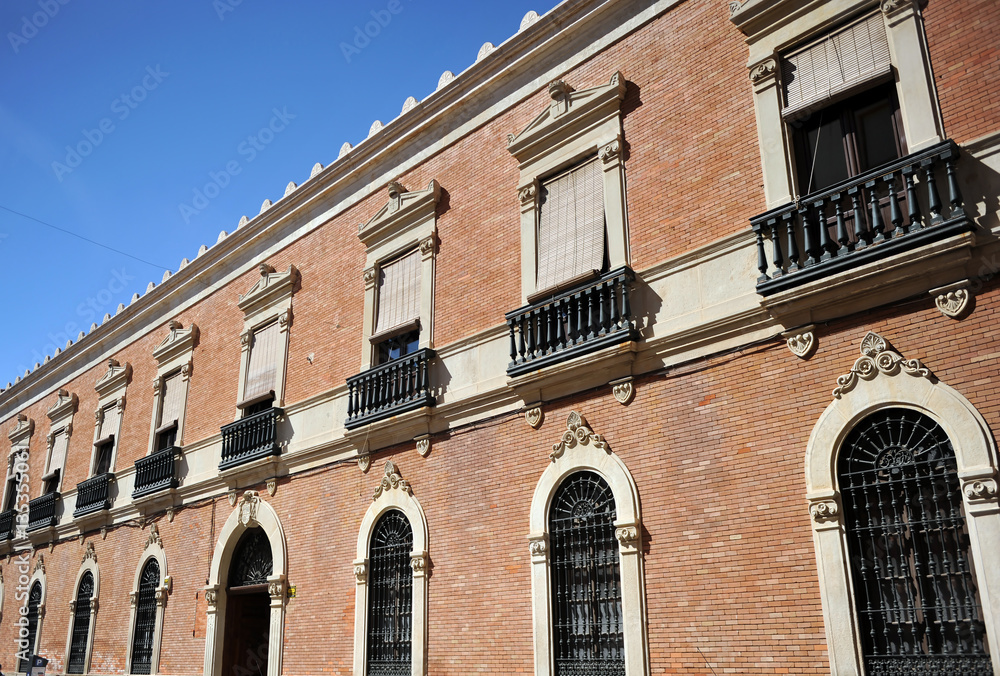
145,618
587,632
28,648
76,664
914,589
390,597
251,562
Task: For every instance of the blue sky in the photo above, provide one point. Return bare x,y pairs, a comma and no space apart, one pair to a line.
113,114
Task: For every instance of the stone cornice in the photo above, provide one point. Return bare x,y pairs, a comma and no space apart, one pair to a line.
271,288
452,110
25,428
66,404
114,379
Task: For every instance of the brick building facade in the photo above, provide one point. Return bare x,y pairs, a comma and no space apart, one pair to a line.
595,261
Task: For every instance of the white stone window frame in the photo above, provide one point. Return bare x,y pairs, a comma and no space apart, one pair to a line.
407,222
173,355
37,575
251,511
153,550
582,450
881,379
393,493
774,31
269,300
20,441
89,565
576,126
111,389
60,421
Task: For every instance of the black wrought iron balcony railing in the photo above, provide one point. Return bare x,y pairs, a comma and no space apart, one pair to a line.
389,389
93,495
892,209
250,438
155,472
572,323
42,512
7,520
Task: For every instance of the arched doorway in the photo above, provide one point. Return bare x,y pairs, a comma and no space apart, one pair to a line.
248,606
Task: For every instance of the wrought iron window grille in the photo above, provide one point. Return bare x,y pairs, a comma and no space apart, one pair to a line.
390,597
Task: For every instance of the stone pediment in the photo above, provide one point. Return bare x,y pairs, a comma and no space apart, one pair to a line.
401,211
115,378
570,114
271,288
178,341
66,404
25,428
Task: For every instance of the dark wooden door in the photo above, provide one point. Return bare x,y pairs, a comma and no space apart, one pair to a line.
248,620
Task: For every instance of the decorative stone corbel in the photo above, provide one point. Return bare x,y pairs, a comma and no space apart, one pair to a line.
89,553
801,341
272,487
364,461
423,444
418,563
231,496
211,597
823,511
953,300
133,598
628,538
170,514
763,70
104,532
623,390
538,547
361,571
980,490
533,415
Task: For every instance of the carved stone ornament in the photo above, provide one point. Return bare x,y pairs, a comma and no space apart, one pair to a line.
177,341
527,193
534,417
231,496
611,151
116,377
423,445
170,514
537,547
427,245
763,70
877,356
72,606
271,288
161,596
153,538
628,537
823,510
980,490
104,532
276,590
391,480
801,342
952,300
623,391
361,571
133,598
272,487
577,433
364,462
211,597
734,7
890,6
418,563
66,404
248,508
369,276
89,553
94,604
39,564
24,429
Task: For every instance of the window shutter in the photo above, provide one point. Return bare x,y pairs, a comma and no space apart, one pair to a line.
172,396
571,226
399,293
111,420
842,61
262,369
58,456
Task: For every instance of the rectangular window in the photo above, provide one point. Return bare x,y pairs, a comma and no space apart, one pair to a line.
571,239
397,325
837,65
56,460
262,369
171,405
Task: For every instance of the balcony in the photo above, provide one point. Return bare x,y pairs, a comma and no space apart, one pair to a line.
42,512
392,388
250,438
893,209
572,323
7,520
93,495
155,472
